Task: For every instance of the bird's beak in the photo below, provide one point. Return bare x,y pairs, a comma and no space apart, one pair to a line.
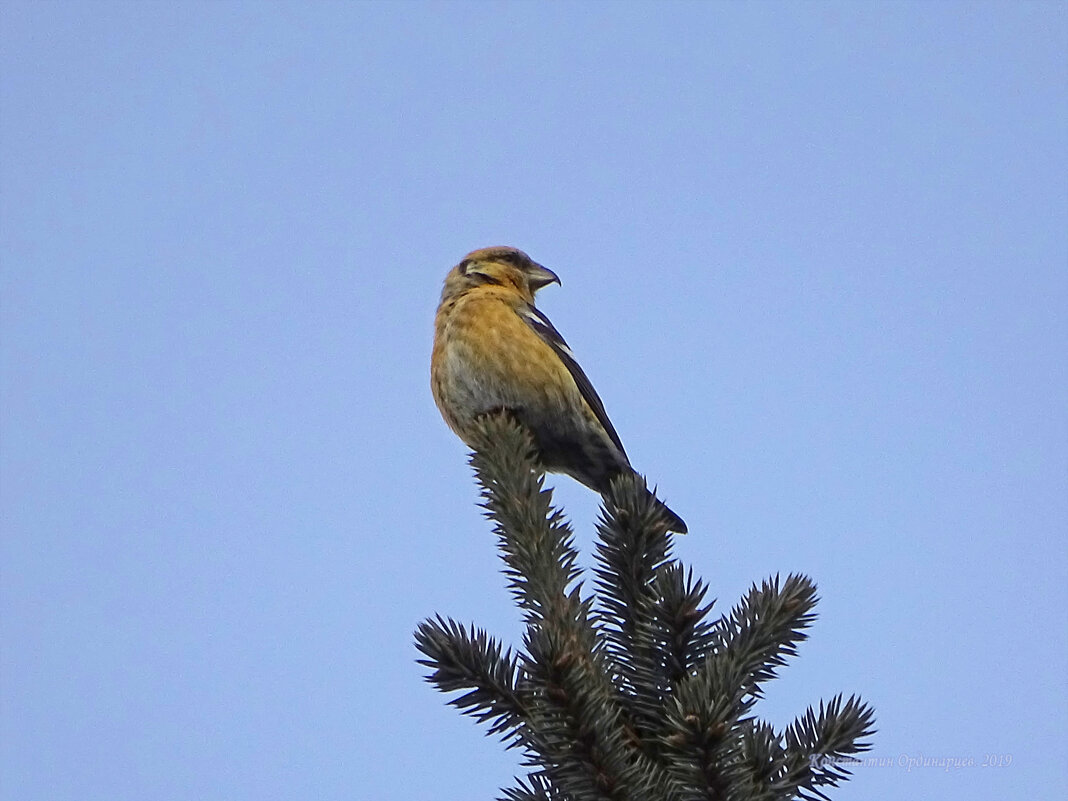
541,276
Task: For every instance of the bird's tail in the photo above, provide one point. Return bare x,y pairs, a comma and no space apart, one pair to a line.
610,487
675,523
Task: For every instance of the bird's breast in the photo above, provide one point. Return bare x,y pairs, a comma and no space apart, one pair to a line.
488,358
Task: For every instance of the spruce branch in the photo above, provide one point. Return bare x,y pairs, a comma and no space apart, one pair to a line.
468,659
761,764
634,546
701,738
574,709
535,787
821,745
535,541
765,628
688,636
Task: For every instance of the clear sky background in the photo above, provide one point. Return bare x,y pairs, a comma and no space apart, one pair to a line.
814,258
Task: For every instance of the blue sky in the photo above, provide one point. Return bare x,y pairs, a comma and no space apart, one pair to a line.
814,258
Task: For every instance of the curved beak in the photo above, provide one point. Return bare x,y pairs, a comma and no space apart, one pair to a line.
541,276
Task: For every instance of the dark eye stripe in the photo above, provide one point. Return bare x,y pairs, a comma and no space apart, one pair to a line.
481,278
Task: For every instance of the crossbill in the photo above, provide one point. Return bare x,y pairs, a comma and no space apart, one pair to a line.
493,350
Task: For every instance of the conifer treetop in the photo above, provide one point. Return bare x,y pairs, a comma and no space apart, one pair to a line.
631,693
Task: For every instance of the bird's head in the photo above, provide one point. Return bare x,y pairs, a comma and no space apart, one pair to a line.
500,266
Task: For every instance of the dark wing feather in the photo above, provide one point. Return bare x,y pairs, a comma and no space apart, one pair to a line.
548,333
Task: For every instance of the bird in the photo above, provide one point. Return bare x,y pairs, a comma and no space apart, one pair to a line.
494,350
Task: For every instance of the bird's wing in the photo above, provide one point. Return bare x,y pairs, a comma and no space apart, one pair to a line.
551,337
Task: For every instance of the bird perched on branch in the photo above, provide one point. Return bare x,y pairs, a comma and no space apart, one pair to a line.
494,351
